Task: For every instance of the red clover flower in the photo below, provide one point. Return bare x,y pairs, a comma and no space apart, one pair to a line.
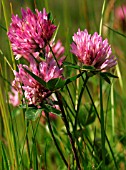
34,92
92,50
30,34
120,17
120,12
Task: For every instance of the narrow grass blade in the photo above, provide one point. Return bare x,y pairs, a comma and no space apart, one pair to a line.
117,32
102,15
5,117
112,153
120,76
5,157
7,17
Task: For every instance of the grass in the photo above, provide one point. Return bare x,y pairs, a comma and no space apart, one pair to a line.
91,133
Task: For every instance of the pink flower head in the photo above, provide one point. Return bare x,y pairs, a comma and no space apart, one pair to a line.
120,12
92,50
30,34
34,92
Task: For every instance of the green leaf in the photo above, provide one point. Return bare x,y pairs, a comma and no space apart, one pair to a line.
32,113
68,64
90,119
50,16
1,26
105,78
69,80
51,109
56,83
36,77
42,56
92,73
79,132
51,84
86,114
23,106
15,112
89,68
55,33
60,83
108,74
119,33
7,13
84,67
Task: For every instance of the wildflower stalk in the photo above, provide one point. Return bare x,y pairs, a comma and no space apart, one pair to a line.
53,55
102,124
58,95
54,139
70,95
79,101
59,68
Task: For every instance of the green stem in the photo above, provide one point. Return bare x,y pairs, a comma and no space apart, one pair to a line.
54,55
59,97
54,139
67,106
102,124
79,100
70,95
